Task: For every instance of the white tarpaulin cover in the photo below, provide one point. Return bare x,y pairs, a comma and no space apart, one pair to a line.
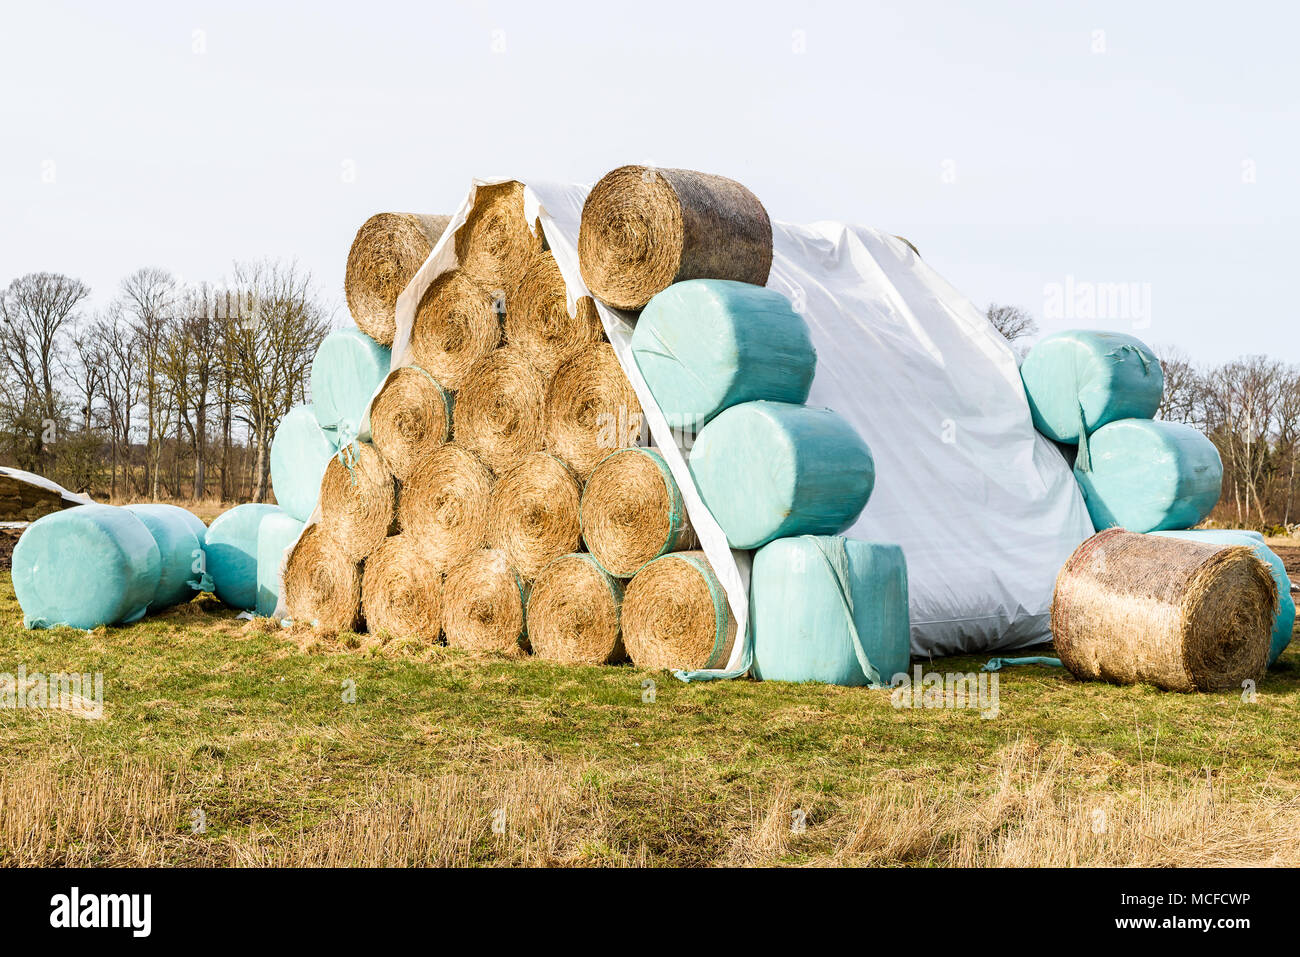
985,509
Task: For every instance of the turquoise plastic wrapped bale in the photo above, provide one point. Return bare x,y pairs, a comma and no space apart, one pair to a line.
1146,475
84,567
348,369
1285,622
300,452
276,533
829,609
705,345
232,553
1081,377
179,550
770,469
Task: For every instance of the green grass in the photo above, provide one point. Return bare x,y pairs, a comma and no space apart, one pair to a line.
251,725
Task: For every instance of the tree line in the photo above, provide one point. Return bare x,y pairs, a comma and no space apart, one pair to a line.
170,391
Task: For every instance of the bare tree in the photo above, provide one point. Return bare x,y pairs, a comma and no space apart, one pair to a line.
147,295
1184,394
1012,321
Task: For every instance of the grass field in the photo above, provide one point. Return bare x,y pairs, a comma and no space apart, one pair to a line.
225,741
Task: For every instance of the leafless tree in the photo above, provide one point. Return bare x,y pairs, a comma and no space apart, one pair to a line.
147,296
1012,321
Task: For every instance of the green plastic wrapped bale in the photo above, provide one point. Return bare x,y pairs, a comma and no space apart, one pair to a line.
84,567
179,550
1146,475
1285,622
1084,378
770,469
705,345
829,609
300,452
348,369
232,553
275,534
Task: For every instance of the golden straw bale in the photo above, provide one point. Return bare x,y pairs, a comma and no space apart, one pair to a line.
457,323
401,590
533,517
538,321
444,505
409,419
495,244
500,408
633,512
358,499
675,615
483,602
573,613
591,410
388,250
322,586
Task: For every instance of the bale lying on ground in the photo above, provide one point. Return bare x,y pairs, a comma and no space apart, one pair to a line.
230,553
358,500
483,604
633,512
274,536
401,590
457,323
444,505
322,586
538,321
644,229
675,615
181,573
499,409
534,515
573,613
410,418
348,368
300,452
388,250
591,410
1181,615
495,244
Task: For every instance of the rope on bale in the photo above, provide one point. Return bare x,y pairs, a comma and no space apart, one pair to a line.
499,409
573,613
538,322
358,500
591,410
322,587
388,250
633,512
456,324
444,505
534,515
401,590
483,605
675,615
410,418
644,229
495,245
1183,616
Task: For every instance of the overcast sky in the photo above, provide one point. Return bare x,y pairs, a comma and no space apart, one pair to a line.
1035,153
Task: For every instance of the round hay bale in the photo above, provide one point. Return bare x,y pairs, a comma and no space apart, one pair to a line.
401,590
675,615
347,370
444,505
573,613
358,499
275,535
538,321
495,245
483,604
1181,615
456,324
633,512
534,515
322,586
230,553
410,417
387,251
300,452
644,229
591,410
499,410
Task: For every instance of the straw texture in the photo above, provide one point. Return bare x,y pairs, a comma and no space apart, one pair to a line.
483,605
591,410
358,500
388,250
633,512
534,515
645,228
675,615
573,613
409,419
444,505
538,322
321,585
401,590
499,410
495,244
1184,616
456,324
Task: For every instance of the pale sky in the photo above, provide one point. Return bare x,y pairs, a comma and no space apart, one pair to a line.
1025,148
